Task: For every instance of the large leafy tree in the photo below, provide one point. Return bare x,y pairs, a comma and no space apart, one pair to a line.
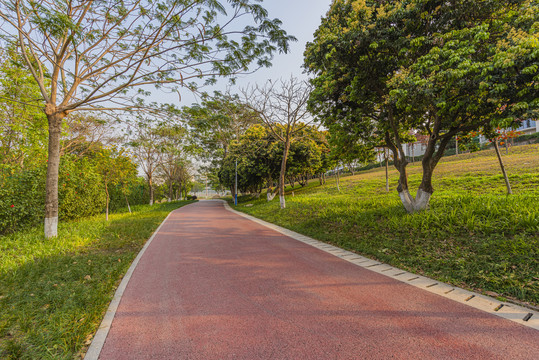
90,55
258,160
441,67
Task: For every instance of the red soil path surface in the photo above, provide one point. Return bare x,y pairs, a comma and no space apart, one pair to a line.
214,285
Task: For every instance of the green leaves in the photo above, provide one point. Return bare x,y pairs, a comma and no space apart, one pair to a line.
101,50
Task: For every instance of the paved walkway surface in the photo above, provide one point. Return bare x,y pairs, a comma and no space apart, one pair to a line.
214,285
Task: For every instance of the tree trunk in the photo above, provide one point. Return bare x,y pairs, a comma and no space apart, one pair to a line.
338,179
283,171
502,166
107,202
151,189
170,191
180,190
292,181
387,172
430,160
402,188
53,166
128,206
270,194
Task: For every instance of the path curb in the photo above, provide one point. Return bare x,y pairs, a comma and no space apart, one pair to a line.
101,335
515,313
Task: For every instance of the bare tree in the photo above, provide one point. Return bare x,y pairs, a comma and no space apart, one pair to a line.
147,146
86,132
173,140
282,106
89,55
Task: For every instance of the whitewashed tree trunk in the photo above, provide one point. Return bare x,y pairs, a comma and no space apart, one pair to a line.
502,166
270,194
128,206
420,203
53,166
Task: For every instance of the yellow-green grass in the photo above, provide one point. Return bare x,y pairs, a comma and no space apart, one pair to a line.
54,293
474,235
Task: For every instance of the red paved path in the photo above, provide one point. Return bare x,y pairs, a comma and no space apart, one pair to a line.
214,285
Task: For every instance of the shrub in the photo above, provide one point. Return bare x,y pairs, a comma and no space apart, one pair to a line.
22,199
80,189
22,194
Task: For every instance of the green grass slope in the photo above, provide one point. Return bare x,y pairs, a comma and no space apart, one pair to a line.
474,235
54,293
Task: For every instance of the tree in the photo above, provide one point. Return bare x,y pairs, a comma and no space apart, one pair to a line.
147,145
305,158
282,106
173,149
257,157
96,55
461,85
183,178
115,168
441,67
215,122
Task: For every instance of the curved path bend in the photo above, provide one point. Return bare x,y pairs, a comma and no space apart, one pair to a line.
214,285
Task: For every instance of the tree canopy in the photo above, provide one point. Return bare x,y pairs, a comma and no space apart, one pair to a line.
440,67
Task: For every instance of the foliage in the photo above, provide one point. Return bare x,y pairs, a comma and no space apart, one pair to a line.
259,157
532,138
103,55
21,199
282,107
23,128
116,169
215,123
53,293
22,194
441,67
80,188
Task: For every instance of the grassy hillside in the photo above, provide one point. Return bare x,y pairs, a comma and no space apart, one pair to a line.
474,235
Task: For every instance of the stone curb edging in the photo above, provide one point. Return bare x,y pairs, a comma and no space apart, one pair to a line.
101,335
518,314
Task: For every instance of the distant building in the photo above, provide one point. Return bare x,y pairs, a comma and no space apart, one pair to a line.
529,127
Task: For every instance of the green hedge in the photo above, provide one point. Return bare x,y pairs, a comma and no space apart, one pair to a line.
22,199
22,194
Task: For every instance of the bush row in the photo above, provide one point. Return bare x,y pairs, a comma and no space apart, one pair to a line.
81,193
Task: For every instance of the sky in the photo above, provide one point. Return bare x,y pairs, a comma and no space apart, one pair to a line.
300,18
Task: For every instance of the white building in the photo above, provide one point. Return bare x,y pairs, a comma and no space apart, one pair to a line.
529,127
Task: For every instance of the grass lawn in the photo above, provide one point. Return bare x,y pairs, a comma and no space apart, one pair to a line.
54,293
474,235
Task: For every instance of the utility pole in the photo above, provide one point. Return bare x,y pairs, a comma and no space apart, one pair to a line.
236,186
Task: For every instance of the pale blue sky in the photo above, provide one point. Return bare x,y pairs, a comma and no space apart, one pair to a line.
300,18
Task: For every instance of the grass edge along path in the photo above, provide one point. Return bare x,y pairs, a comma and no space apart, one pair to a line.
54,293
474,236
